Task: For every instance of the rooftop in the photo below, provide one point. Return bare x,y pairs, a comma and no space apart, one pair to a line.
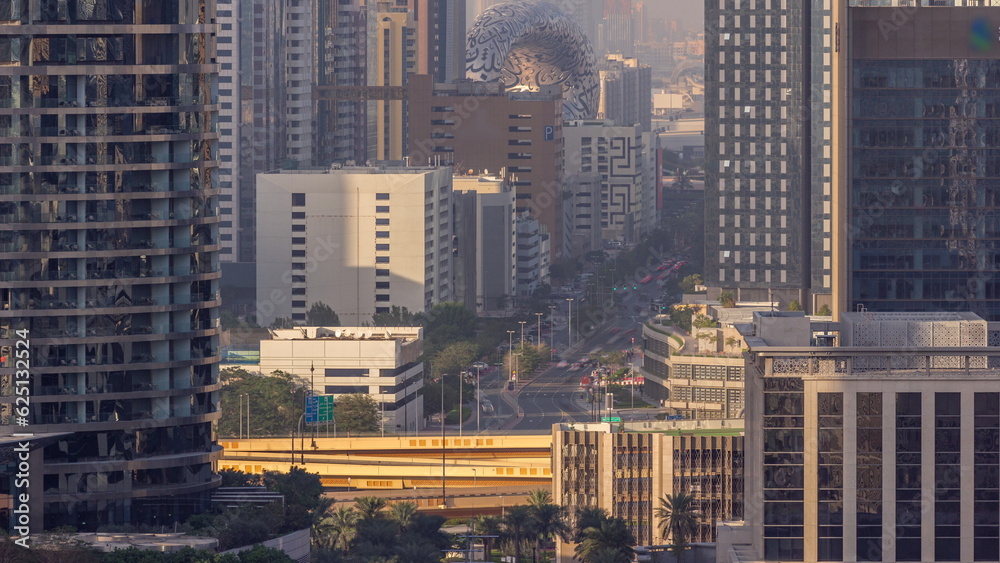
404,334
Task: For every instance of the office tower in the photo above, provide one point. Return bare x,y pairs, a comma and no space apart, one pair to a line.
627,467
616,33
691,383
395,58
480,127
533,255
768,185
109,256
625,91
618,155
383,363
582,212
342,45
921,209
359,239
872,439
440,37
486,263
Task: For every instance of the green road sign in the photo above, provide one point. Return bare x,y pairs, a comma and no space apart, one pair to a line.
319,408
611,419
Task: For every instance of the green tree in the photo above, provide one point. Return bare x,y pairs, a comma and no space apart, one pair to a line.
518,523
794,305
397,316
276,403
357,412
234,478
824,311
687,284
404,514
587,517
703,321
484,525
298,486
681,317
234,373
678,517
338,529
446,323
610,541
453,359
727,299
369,508
548,519
732,342
320,314
283,322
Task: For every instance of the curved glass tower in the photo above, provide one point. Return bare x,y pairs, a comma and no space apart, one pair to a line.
109,253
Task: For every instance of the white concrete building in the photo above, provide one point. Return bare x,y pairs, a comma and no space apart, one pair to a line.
381,362
533,248
617,154
359,239
486,268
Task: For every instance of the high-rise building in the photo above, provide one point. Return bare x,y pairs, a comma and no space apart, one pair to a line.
486,263
626,468
395,58
440,37
342,51
359,239
480,127
618,155
875,438
920,214
616,32
626,92
768,145
533,255
109,257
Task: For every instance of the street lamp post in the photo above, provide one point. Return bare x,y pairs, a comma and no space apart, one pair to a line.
510,350
539,341
461,388
444,501
479,398
522,323
570,323
552,331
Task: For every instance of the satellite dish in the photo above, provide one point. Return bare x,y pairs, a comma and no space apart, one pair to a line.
347,334
338,333
366,335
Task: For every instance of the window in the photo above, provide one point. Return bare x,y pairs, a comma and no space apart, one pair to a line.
382,221
382,298
381,234
298,240
381,271
382,197
298,214
299,304
298,228
381,209
298,279
300,253
298,265
298,200
381,259
382,247
298,291
380,310
381,285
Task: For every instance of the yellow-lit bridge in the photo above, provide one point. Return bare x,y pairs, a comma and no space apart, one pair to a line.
479,474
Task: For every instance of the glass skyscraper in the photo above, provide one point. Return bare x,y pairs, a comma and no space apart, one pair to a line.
109,253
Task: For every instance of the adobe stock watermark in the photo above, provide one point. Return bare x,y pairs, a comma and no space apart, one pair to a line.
22,414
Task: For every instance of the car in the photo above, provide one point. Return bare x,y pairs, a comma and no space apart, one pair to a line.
480,365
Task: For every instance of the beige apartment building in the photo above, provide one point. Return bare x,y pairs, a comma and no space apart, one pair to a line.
626,468
380,362
359,239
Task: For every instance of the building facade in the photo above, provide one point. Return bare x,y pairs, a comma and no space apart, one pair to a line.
626,87
480,127
626,468
486,263
358,239
922,207
109,257
379,362
533,251
396,59
618,154
768,144
695,386
871,439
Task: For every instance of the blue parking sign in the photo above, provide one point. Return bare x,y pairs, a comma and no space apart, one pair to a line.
550,132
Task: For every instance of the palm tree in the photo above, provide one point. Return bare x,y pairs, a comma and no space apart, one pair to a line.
518,523
340,527
369,508
678,520
486,526
587,517
609,542
417,552
403,514
377,538
539,497
727,299
549,521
